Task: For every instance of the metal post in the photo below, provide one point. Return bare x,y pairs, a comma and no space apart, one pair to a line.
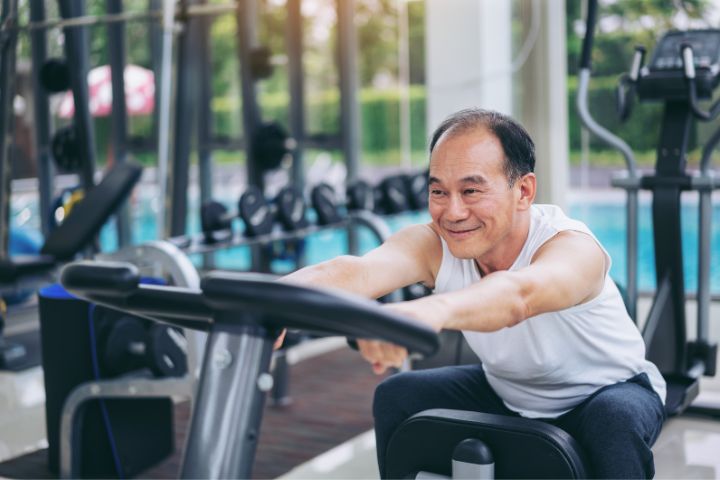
164,127
204,112
247,40
77,54
229,404
294,40
8,48
42,120
349,107
116,45
188,67
247,15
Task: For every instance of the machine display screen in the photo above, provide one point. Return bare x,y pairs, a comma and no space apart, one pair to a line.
705,44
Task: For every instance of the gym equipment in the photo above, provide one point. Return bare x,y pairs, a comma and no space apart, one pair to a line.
260,63
54,75
138,432
401,193
64,203
78,229
678,77
270,145
243,314
12,354
257,213
439,443
325,204
130,343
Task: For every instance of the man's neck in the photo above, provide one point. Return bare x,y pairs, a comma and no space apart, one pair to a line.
508,249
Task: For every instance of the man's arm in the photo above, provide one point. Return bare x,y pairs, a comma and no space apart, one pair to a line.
568,270
409,256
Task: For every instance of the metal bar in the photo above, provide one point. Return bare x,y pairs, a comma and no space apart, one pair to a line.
8,50
116,46
71,418
349,107
294,41
111,18
42,119
77,54
246,16
205,120
164,113
704,257
186,100
229,406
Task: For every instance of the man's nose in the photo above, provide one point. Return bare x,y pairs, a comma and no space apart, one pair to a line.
456,209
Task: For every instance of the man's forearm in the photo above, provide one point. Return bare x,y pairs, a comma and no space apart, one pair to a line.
497,301
344,272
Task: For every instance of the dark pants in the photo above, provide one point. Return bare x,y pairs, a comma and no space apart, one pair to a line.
616,426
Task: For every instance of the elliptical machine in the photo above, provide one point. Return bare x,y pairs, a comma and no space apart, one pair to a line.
684,68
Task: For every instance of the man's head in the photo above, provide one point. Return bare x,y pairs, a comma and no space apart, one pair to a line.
482,185
517,145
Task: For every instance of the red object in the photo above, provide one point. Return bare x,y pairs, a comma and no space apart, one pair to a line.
139,92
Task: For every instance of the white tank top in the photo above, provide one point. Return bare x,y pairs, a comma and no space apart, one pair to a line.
549,363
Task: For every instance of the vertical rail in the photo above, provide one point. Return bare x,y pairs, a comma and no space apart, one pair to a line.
116,45
41,118
8,47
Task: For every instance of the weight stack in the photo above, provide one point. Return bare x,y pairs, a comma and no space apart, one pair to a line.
140,429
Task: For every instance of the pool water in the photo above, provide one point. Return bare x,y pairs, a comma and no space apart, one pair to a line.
605,218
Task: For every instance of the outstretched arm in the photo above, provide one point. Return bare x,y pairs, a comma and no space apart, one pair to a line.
568,270
409,256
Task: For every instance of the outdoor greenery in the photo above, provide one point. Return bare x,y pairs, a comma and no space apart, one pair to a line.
625,23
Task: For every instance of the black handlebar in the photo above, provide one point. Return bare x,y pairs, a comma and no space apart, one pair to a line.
305,308
585,57
227,298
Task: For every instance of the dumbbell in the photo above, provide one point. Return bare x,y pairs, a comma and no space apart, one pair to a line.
126,343
259,215
401,193
216,221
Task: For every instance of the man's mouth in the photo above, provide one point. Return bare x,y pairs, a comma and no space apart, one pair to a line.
461,232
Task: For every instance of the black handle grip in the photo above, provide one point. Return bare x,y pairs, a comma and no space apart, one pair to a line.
585,57
103,278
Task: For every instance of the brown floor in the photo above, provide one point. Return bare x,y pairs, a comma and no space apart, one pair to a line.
332,398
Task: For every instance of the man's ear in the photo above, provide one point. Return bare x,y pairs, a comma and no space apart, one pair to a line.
526,189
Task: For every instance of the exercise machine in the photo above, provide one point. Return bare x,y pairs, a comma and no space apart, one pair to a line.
684,68
242,314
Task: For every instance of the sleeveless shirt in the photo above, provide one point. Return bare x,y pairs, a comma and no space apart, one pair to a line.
547,364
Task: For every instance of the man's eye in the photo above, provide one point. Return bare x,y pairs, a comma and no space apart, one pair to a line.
471,191
436,192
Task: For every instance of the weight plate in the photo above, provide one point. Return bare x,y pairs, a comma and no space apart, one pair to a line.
291,209
395,194
255,212
360,196
417,188
166,351
323,201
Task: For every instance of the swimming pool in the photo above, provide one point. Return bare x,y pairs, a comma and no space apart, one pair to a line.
605,217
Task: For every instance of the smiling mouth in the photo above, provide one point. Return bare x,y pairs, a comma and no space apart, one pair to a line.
465,231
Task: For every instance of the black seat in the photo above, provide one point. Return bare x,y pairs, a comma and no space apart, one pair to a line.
521,447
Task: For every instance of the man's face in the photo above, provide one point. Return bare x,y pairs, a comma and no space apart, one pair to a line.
471,202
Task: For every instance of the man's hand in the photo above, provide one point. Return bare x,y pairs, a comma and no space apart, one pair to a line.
383,355
280,339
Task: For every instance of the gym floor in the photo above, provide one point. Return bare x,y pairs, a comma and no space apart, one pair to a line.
304,440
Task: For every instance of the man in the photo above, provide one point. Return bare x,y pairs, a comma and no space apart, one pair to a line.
529,288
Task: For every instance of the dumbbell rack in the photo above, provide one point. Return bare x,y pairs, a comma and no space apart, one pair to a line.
196,245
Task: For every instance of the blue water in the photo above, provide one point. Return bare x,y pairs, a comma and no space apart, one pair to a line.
605,219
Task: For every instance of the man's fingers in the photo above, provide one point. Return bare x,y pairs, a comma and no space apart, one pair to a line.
382,355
